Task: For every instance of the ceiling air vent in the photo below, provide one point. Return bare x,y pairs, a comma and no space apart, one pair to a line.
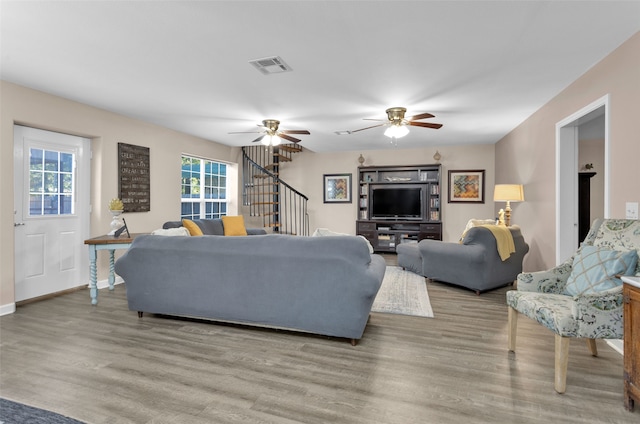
271,65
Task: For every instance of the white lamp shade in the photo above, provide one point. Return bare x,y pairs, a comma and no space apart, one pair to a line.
508,193
396,131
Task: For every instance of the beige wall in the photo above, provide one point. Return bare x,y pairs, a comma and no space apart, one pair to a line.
527,154
305,173
105,129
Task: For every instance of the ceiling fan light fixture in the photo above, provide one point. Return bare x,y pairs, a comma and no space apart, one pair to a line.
271,140
398,126
396,131
272,136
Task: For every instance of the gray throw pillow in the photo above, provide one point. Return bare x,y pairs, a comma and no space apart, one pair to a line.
210,227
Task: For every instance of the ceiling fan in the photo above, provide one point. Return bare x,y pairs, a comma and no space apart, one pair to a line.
271,136
398,124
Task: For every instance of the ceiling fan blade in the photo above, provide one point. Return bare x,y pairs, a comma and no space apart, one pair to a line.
259,138
294,132
286,137
373,119
424,124
421,116
362,129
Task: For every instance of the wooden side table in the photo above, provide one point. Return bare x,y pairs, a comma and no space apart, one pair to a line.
111,244
631,293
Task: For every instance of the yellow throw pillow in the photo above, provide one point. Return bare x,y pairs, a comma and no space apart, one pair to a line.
192,227
234,226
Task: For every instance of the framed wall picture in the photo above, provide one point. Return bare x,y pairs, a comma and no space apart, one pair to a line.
134,178
466,186
337,188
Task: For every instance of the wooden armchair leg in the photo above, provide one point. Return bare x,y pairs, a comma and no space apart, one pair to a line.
562,360
591,343
513,326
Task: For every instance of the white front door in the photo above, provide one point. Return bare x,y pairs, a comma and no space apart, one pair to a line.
51,211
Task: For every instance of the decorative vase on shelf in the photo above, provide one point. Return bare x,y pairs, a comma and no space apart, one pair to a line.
116,223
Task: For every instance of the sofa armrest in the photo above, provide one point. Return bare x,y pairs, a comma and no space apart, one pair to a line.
436,251
599,314
256,231
453,262
553,280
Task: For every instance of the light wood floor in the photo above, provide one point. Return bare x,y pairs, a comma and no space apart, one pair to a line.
104,365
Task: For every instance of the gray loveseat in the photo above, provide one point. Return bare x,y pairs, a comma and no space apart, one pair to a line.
321,285
474,263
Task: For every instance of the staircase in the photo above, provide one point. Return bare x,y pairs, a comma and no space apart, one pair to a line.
282,208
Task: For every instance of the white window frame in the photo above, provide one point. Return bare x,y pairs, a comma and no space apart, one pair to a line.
202,200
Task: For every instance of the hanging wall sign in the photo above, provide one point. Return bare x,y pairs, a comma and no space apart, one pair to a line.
134,178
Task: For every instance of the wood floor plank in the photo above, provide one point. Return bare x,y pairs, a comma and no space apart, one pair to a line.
102,364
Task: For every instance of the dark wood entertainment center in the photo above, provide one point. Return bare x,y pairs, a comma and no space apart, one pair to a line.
377,186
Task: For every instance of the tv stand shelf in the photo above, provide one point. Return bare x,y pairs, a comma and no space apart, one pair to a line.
384,236
398,204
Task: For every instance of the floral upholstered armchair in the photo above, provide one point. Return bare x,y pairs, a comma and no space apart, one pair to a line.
581,297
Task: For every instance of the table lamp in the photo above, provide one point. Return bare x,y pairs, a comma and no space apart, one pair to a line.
508,193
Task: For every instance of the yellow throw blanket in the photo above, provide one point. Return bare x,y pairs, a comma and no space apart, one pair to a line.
504,240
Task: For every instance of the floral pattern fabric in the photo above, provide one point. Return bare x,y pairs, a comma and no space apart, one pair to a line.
540,295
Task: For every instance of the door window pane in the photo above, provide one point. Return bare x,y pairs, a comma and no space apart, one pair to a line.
36,159
51,177
50,160
66,162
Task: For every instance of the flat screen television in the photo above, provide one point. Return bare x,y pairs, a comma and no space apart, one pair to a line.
397,202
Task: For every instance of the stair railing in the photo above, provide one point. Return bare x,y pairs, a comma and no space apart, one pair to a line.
281,207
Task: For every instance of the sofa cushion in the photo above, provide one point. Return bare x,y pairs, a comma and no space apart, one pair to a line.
193,228
234,226
180,231
595,269
210,227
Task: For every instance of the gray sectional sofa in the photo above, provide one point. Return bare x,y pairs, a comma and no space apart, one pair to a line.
321,285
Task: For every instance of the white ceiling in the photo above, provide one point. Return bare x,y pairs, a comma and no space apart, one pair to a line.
482,67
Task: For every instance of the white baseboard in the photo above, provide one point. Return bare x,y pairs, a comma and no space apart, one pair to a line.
617,345
102,284
7,309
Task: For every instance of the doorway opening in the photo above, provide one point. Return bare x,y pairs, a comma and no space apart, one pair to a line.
568,166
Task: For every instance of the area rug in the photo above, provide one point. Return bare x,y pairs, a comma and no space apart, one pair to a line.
18,413
404,293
